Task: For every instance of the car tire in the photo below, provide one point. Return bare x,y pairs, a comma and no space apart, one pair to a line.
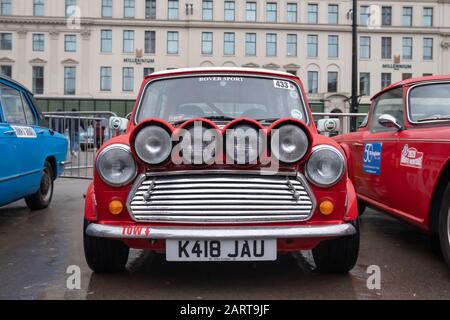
362,206
42,198
338,255
444,225
104,255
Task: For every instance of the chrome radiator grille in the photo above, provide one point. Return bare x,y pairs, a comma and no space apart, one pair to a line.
216,197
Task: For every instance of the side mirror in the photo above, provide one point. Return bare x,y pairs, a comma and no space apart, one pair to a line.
328,125
117,123
388,121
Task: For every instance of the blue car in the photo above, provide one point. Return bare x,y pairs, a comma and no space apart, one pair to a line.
31,155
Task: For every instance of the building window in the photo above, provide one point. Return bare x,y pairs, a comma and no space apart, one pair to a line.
38,80
128,41
150,41
364,83
229,11
271,44
407,45
172,42
5,41
128,8
427,17
291,45
271,12
332,81
38,42
292,13
150,9
312,45
38,8
207,10
70,43
128,79
107,8
364,47
173,10
70,8
406,76
69,80
106,41
148,71
313,82
312,13
228,43
427,48
386,48
333,14
105,78
250,11
386,80
207,42
333,46
250,44
364,16
407,16
426,74
5,7
6,70
386,16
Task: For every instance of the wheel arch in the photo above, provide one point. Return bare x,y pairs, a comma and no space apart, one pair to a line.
438,194
53,163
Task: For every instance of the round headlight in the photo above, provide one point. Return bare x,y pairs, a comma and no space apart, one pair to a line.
201,144
289,143
243,144
116,165
153,144
325,166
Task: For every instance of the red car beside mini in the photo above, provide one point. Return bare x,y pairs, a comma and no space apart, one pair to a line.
399,159
144,197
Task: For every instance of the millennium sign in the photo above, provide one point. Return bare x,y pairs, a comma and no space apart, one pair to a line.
139,59
397,65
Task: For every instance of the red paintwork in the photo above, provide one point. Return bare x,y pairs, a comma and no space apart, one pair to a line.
341,193
405,192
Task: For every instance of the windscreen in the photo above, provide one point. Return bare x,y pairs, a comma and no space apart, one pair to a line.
179,99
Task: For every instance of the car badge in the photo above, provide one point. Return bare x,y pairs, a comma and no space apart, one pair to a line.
147,195
295,194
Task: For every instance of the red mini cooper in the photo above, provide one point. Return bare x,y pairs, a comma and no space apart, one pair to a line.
221,164
399,159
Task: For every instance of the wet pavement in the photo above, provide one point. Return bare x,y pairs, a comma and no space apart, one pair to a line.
36,248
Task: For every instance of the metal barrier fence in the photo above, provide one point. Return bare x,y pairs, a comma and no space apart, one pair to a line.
87,131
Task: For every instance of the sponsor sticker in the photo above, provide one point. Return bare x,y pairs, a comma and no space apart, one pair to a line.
221,79
411,157
24,132
372,158
281,84
295,113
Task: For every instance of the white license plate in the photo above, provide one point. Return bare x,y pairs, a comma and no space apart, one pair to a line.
221,250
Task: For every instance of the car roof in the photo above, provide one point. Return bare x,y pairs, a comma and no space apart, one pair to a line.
17,84
412,81
220,70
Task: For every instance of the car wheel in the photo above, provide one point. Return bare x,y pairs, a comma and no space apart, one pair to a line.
362,206
42,198
337,255
444,225
104,255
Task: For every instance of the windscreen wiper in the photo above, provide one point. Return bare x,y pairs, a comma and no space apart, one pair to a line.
434,118
212,118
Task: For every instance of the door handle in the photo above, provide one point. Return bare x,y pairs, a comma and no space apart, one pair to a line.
9,132
40,131
357,144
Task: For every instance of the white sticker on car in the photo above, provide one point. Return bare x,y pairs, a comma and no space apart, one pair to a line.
281,84
24,132
295,113
410,157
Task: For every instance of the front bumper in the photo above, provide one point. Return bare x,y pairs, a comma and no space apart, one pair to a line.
145,232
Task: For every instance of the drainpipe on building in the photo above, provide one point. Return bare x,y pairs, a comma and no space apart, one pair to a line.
354,97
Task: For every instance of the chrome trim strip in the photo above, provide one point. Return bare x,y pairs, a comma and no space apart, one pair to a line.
225,73
321,231
408,113
65,163
20,175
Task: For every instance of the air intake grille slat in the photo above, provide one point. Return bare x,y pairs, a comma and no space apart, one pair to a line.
220,197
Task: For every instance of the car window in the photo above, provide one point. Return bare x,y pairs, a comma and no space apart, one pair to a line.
390,103
12,105
429,102
31,119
